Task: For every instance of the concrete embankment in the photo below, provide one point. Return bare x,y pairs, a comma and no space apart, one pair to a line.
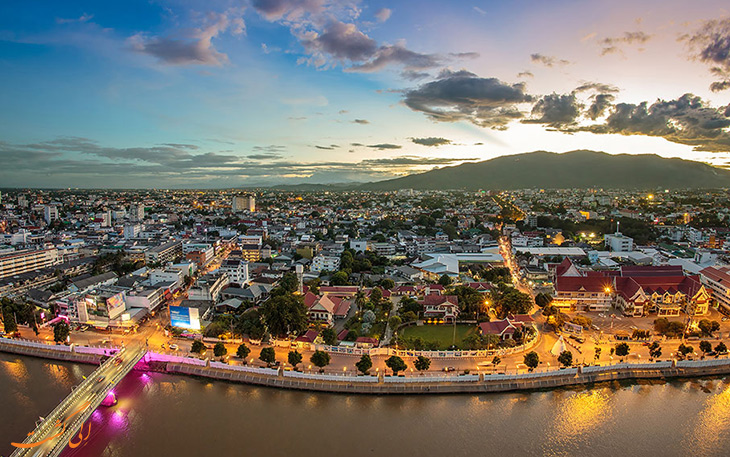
428,383
79,354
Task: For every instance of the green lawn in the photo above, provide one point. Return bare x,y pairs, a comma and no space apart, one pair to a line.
443,334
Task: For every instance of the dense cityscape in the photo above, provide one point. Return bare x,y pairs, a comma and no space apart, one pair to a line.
364,227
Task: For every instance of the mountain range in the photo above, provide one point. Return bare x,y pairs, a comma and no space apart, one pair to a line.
575,169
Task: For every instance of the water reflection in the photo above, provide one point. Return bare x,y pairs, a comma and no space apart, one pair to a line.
579,415
711,424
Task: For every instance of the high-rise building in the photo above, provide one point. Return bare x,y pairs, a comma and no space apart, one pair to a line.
50,214
26,261
136,212
247,203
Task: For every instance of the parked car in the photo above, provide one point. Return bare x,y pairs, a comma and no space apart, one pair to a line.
449,369
174,347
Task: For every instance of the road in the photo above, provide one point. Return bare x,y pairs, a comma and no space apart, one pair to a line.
64,424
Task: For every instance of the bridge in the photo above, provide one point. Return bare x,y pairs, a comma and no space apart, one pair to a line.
62,425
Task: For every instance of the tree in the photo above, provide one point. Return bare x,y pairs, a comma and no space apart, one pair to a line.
721,348
365,364
655,351
243,351
531,360
470,300
394,322
219,350
376,295
341,278
422,363
329,336
198,347
542,299
294,358
705,346
622,349
320,359
11,326
566,358
250,323
267,355
445,280
387,283
705,327
496,360
60,332
506,300
596,353
396,364
685,349
285,314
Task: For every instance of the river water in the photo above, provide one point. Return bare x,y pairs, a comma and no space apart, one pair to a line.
159,414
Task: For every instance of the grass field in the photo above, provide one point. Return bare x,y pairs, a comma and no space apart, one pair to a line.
443,334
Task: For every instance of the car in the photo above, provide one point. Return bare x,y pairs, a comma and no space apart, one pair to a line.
724,318
449,369
100,379
173,347
118,362
595,327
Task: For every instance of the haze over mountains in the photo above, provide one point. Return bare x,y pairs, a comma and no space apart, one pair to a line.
575,169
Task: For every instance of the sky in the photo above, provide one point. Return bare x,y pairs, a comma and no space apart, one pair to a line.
241,93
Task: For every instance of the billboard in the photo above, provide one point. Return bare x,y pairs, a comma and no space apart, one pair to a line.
115,305
184,317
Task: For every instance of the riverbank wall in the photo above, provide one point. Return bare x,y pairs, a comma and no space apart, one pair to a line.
427,383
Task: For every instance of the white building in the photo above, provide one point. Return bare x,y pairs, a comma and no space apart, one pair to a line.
50,214
717,281
326,262
247,203
619,242
237,271
136,212
168,275
132,231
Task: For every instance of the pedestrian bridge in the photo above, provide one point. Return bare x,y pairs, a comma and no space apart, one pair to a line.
61,427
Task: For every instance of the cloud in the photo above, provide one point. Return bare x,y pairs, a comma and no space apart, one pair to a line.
687,120
710,44
461,95
525,74
195,47
383,146
343,41
548,61
465,55
80,161
480,11
612,44
361,121
272,148
267,156
412,75
383,14
601,103
398,55
556,110
329,148
83,18
431,141
596,87
289,9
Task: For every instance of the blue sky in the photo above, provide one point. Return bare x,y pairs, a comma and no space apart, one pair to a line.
186,93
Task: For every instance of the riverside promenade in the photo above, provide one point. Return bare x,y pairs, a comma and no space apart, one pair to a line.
427,383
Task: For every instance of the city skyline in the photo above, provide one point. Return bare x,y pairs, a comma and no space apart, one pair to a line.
233,93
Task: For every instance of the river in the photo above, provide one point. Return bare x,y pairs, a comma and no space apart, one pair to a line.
159,414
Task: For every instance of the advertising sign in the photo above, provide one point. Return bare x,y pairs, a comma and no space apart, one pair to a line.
183,317
115,305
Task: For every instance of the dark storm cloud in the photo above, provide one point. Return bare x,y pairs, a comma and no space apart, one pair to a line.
711,45
556,110
431,141
462,95
382,146
548,61
686,120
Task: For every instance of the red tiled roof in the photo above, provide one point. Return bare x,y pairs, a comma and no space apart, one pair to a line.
439,299
581,284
